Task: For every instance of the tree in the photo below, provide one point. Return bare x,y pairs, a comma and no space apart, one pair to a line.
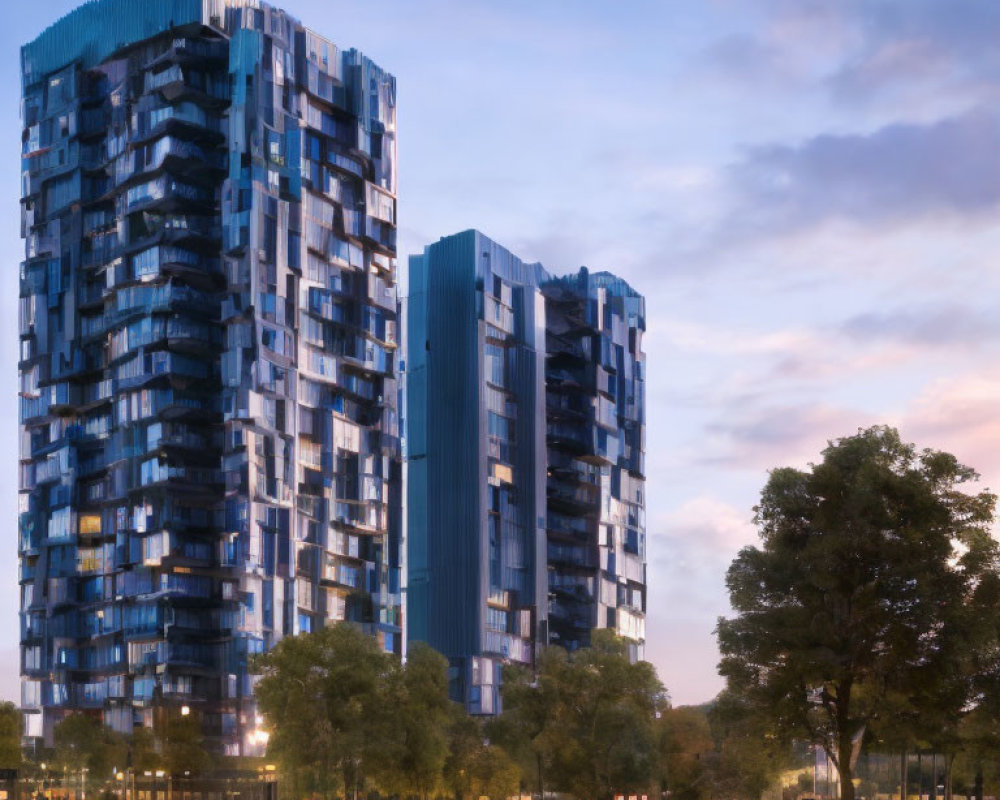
140,752
688,752
414,741
750,758
494,773
598,734
465,738
322,697
83,742
183,745
476,767
529,703
10,736
874,566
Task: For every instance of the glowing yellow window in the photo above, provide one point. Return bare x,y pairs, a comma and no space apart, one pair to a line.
503,473
90,523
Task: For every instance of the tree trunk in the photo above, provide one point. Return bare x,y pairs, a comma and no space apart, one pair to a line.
845,739
904,762
845,767
541,784
949,761
977,790
846,780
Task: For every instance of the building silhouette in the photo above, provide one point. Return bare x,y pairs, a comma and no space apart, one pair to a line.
210,452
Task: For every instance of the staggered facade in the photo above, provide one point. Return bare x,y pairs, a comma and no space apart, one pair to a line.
210,451
595,418
525,421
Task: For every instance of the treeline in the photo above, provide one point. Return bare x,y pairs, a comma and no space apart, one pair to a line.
89,755
347,720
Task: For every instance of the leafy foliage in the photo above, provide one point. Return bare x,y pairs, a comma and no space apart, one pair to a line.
322,695
183,746
589,718
689,755
875,574
10,736
83,742
750,758
415,739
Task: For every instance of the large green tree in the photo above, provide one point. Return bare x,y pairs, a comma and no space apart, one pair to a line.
322,695
872,575
10,736
750,758
83,742
530,700
688,753
414,740
590,716
183,746
475,765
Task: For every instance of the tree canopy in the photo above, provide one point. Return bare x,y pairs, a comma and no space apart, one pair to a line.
875,579
321,696
10,736
589,717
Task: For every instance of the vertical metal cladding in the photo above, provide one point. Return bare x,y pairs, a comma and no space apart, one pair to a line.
525,460
209,433
476,482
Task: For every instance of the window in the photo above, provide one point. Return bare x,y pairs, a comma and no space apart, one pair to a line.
90,523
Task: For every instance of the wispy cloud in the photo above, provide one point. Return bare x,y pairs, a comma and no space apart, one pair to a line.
703,527
941,48
959,414
772,435
966,327
898,173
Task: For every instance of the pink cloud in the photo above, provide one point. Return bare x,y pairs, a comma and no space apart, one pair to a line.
959,415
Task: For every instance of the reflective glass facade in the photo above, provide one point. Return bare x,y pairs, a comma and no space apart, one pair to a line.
595,414
209,436
525,400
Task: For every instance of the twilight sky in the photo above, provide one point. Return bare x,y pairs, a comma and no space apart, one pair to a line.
806,192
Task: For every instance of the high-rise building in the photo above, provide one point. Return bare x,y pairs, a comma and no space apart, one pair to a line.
476,587
525,460
595,415
209,448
